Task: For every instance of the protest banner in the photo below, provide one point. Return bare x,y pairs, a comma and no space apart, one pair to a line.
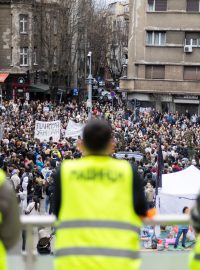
45,130
74,130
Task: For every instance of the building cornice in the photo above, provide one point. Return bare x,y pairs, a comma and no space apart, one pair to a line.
157,28
167,63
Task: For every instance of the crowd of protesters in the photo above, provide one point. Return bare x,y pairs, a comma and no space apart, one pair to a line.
30,164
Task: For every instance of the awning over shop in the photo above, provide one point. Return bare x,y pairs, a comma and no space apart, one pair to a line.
3,77
186,101
39,88
61,91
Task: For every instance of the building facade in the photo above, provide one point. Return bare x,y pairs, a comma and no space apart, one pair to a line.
37,53
164,55
118,19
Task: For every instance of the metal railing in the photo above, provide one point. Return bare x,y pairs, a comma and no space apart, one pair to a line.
29,222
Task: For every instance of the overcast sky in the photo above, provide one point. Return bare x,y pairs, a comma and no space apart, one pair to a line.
102,2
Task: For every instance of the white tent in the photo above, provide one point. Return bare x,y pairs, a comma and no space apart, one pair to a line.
178,190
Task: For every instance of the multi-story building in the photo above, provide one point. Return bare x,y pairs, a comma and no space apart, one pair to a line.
118,44
164,54
34,47
19,47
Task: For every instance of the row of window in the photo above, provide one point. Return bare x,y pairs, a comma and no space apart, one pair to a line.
24,24
158,38
24,56
158,72
161,5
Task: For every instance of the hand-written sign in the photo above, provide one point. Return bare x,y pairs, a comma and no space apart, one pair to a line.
45,130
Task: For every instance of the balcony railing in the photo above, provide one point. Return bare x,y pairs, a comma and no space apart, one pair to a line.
166,260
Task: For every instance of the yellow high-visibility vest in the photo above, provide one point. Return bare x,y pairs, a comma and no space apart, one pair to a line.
97,227
3,260
194,261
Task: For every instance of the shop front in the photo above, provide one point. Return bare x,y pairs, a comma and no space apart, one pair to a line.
3,77
21,86
187,103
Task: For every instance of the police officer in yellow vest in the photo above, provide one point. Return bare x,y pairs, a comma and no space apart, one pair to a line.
9,219
98,201
194,262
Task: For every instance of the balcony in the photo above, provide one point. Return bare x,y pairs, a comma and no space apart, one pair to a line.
151,260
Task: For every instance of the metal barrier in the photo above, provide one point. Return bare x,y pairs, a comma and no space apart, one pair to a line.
28,222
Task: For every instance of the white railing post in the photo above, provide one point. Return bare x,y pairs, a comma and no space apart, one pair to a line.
167,220
28,223
30,257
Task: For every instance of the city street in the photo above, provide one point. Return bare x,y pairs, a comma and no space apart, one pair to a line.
100,127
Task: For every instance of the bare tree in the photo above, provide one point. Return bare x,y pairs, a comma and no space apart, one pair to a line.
60,40
117,49
68,29
108,39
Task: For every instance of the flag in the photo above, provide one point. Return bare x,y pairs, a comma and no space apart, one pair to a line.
159,169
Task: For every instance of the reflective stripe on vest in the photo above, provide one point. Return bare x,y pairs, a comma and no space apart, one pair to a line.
100,224
108,252
197,257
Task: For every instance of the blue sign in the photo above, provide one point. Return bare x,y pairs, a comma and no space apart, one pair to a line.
75,92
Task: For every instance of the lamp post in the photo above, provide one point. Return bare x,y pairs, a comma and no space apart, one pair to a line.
90,78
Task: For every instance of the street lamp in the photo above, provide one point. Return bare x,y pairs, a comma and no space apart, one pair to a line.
90,78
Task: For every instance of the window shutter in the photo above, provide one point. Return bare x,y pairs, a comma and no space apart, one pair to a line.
193,5
150,2
160,5
192,35
158,72
148,72
155,72
198,73
190,73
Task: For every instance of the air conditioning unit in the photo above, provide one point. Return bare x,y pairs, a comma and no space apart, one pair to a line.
188,48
